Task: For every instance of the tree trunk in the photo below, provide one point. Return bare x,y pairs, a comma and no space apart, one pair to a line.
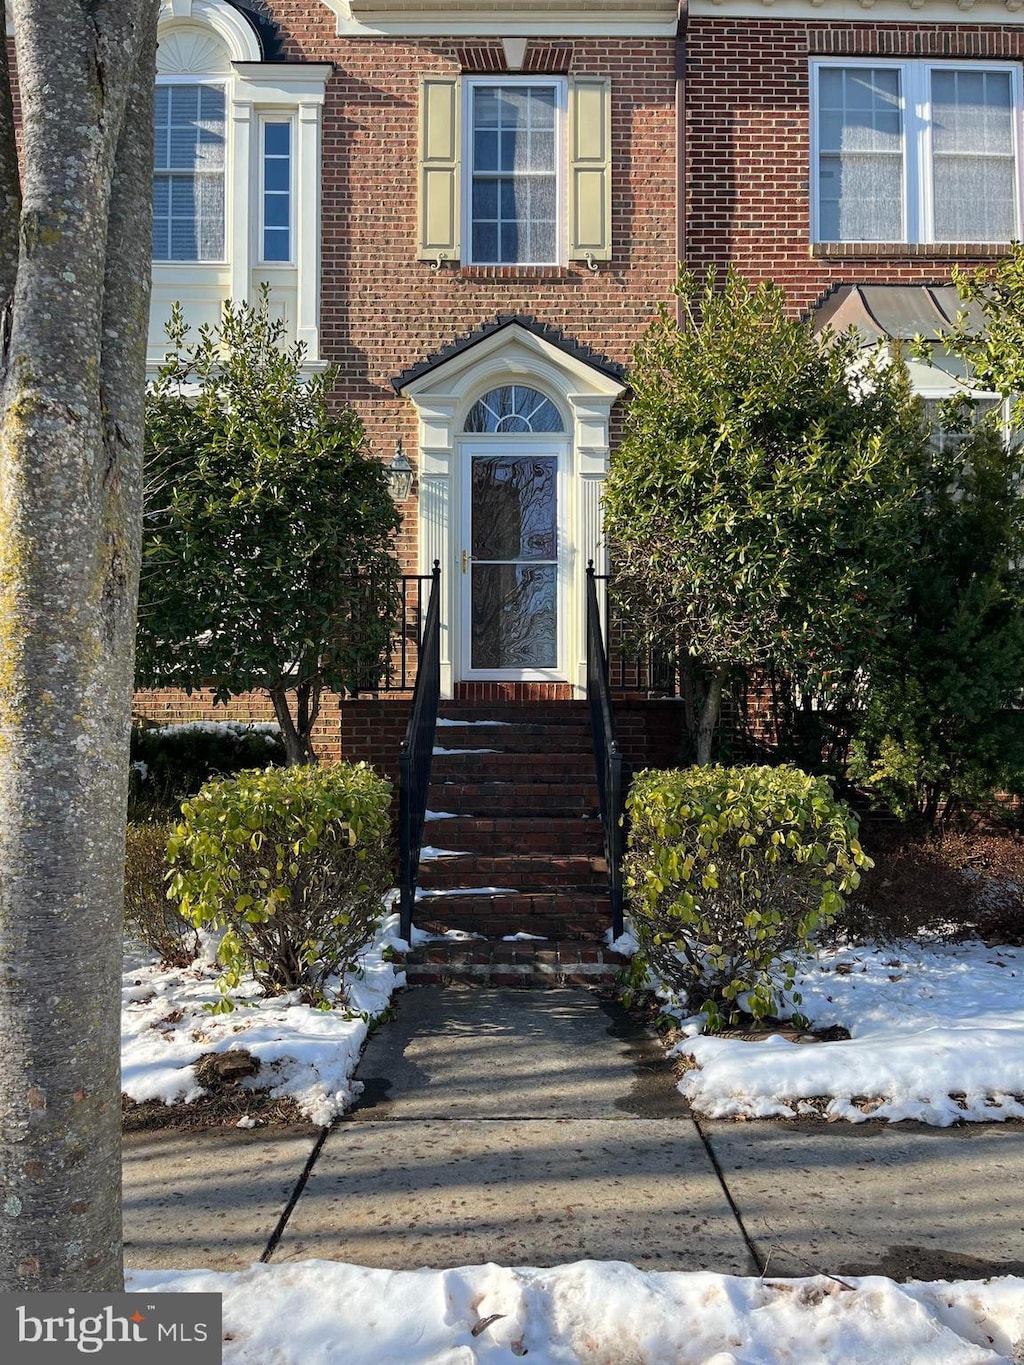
298,747
72,378
709,716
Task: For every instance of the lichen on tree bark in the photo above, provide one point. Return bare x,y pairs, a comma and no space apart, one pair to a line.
74,290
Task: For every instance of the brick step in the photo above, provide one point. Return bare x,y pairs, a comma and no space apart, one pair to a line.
529,965
557,713
549,870
491,765
516,738
530,834
567,913
523,798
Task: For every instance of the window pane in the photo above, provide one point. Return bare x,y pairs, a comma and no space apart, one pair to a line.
485,107
276,176
514,507
183,103
485,199
509,238
183,244
277,139
974,170
861,155
972,112
183,197
515,616
275,211
210,205
276,246
485,151
860,199
513,174
543,240
542,152
277,200
513,407
975,199
188,184
485,242
211,103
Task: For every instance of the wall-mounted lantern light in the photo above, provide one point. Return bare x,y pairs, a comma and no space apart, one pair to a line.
399,474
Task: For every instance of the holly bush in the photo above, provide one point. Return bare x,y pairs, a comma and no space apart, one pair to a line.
290,864
728,870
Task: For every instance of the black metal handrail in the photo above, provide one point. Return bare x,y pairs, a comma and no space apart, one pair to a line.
416,752
607,758
396,670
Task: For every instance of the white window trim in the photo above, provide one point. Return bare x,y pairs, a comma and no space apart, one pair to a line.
225,86
255,90
498,79
267,116
917,123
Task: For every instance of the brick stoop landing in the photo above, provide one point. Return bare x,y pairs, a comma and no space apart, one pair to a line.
537,965
513,843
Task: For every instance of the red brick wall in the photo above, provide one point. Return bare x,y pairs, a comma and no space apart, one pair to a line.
748,148
383,310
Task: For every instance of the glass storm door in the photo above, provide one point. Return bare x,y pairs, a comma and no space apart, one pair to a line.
511,616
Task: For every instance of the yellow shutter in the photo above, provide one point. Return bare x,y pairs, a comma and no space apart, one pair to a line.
590,168
439,207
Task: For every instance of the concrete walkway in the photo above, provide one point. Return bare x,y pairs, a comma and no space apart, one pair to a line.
541,1127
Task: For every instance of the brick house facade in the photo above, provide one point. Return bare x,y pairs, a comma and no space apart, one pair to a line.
355,172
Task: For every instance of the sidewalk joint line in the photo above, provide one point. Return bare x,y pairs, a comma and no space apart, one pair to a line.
761,1266
300,1185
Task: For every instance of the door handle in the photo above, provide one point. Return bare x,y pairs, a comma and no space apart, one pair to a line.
465,560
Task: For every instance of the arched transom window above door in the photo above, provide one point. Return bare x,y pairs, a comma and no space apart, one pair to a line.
513,410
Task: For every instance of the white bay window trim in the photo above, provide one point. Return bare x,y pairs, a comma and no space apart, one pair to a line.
917,147
205,42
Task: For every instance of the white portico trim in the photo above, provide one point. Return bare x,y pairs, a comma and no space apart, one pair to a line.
442,397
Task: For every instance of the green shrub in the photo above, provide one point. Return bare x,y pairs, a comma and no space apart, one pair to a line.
727,870
291,864
148,913
171,762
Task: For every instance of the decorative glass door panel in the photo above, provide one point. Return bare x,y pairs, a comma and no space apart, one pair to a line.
513,563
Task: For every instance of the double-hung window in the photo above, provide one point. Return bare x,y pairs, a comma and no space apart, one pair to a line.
188,172
916,151
514,139
515,170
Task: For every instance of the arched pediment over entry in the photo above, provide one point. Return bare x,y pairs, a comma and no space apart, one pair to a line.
583,385
532,392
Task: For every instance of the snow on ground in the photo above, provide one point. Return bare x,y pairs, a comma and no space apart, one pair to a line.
305,1054
928,1021
597,1313
937,1035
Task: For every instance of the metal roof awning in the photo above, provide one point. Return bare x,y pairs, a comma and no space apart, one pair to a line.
901,312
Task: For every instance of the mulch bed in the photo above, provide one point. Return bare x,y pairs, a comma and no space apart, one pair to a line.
212,1111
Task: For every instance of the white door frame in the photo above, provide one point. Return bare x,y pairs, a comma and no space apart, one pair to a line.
443,396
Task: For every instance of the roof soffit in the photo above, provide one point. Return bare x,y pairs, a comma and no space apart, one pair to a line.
866,11
529,18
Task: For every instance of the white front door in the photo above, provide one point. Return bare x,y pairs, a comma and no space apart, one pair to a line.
513,569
